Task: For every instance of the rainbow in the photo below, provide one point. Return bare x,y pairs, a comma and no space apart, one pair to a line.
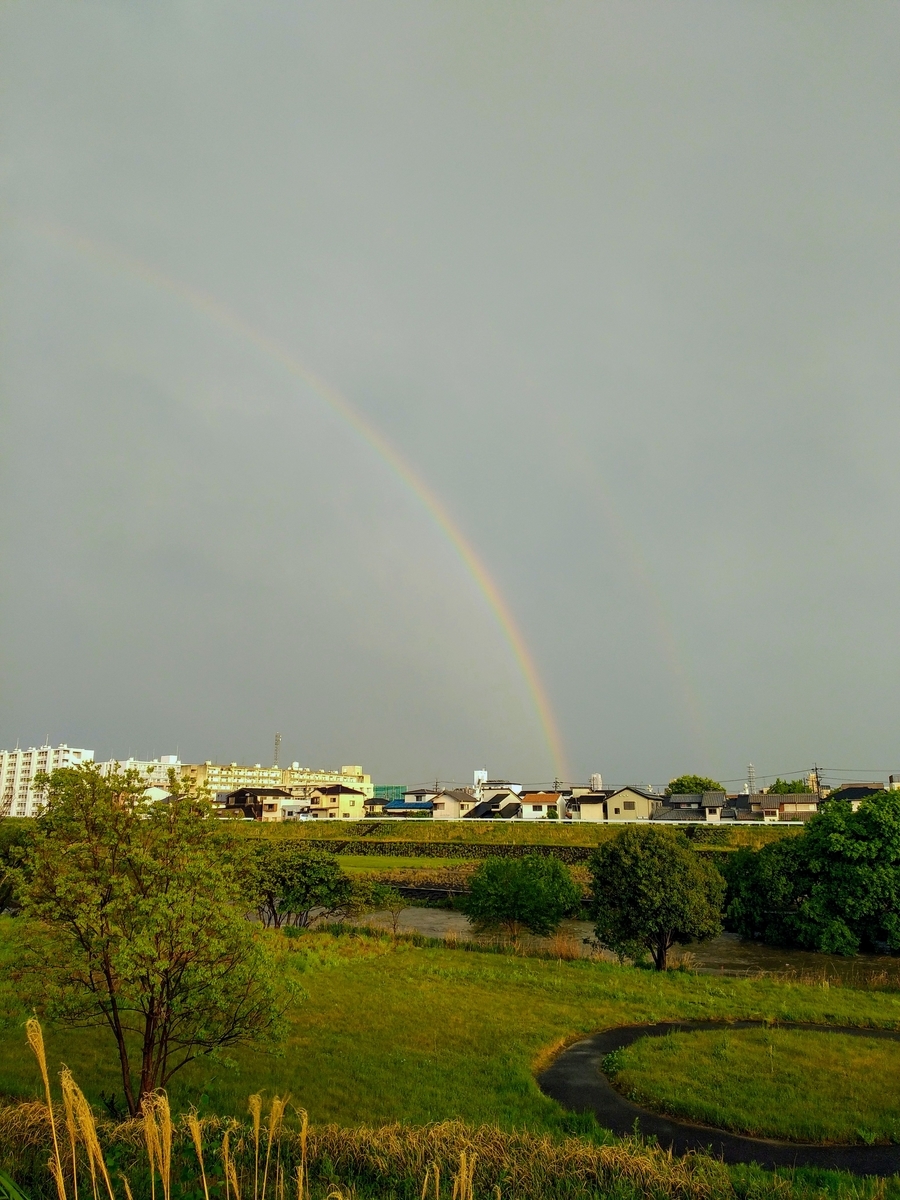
219,313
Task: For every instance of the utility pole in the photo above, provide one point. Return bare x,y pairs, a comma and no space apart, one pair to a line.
277,748
815,772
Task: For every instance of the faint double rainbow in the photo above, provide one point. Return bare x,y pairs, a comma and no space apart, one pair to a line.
212,308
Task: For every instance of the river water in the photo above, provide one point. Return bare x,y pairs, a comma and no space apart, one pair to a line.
725,955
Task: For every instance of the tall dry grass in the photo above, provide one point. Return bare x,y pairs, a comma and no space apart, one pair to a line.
277,1155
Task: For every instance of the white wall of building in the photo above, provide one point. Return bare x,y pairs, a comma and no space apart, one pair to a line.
18,769
154,770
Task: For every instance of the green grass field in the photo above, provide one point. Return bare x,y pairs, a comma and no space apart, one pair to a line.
393,1032
795,1084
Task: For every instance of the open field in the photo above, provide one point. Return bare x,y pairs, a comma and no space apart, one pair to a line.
392,1032
795,1084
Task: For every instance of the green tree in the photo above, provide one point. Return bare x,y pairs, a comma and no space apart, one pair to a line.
135,923
789,787
294,884
692,785
533,893
13,840
835,888
392,901
650,890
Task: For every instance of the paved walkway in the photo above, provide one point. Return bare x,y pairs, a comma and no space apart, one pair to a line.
576,1081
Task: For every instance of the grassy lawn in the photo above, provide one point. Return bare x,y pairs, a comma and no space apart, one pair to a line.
796,1084
392,1032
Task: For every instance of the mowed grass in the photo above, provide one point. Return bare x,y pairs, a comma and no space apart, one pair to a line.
796,1084
383,1031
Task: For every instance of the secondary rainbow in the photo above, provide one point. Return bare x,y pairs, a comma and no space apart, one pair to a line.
274,350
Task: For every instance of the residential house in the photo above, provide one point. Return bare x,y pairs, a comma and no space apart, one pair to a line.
631,804
404,808
256,804
536,805
452,804
337,800
854,792
502,805
692,806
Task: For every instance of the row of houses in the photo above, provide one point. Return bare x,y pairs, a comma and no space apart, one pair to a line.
501,800
298,793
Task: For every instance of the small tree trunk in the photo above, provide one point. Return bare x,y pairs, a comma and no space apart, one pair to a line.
660,951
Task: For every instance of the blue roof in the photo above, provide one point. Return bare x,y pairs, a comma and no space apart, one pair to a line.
414,806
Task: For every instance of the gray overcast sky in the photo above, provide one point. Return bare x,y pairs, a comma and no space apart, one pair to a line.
619,282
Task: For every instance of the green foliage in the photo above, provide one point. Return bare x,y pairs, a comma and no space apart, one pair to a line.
789,787
692,785
293,884
533,893
835,889
9,1189
651,890
134,923
13,840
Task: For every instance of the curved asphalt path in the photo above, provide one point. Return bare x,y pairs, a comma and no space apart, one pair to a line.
575,1080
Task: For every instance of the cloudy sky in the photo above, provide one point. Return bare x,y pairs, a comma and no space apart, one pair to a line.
452,385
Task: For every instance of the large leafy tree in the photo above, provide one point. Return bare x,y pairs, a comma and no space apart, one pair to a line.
650,890
533,893
292,884
692,785
135,923
835,888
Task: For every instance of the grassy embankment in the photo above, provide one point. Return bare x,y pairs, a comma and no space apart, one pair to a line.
800,1085
454,837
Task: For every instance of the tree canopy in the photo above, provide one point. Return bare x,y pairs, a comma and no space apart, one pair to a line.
135,921
692,785
835,888
533,893
650,890
789,787
291,883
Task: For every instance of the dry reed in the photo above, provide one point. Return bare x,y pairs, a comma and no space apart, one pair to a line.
35,1036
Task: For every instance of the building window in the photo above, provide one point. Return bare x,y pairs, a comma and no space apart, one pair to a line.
616,811
537,808
628,805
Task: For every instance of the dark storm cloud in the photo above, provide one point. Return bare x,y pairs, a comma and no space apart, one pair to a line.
619,281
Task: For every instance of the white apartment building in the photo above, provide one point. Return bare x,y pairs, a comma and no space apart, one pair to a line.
154,770
18,769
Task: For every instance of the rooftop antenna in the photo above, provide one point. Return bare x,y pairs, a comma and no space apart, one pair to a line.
751,779
277,748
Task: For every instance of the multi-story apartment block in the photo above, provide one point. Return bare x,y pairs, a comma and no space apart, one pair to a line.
228,777
300,781
18,768
154,770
